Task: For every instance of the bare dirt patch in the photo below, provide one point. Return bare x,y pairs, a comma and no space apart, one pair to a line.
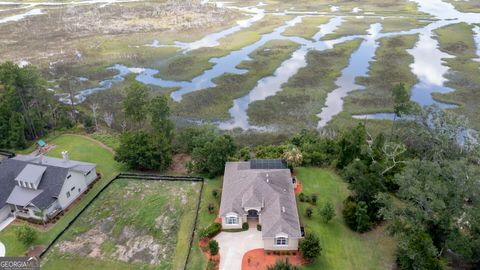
179,162
135,222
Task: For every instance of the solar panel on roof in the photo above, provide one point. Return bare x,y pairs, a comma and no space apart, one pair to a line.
268,164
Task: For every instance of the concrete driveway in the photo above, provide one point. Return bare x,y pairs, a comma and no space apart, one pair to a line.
233,245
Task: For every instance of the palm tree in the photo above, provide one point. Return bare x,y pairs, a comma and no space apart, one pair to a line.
293,156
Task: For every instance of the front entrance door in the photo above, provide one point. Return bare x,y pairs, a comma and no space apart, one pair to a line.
252,214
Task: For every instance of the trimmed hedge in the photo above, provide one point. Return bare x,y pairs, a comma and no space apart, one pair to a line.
210,231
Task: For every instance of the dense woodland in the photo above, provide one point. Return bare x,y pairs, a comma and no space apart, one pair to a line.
27,109
422,176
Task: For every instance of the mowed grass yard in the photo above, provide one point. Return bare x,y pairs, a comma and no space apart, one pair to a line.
197,260
81,149
342,248
133,224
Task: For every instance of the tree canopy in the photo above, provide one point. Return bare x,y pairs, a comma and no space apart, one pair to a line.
27,109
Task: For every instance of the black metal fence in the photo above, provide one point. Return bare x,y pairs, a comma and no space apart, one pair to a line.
137,176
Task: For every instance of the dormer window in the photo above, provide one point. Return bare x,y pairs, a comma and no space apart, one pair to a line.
232,220
281,241
31,176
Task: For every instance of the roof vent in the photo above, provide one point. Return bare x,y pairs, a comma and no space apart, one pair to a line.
283,209
268,180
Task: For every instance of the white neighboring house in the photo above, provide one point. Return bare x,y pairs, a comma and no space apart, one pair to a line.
263,191
39,187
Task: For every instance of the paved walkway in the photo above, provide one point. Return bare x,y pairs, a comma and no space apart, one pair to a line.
2,250
6,222
3,225
233,245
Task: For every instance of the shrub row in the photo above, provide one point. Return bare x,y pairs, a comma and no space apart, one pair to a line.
210,231
310,199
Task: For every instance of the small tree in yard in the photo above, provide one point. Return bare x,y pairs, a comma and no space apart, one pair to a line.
213,247
309,212
26,235
327,212
314,198
283,265
211,208
310,247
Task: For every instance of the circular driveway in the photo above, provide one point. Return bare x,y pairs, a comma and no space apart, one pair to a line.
2,250
233,245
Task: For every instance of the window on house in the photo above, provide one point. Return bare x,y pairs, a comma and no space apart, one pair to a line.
68,177
232,220
68,194
281,241
72,188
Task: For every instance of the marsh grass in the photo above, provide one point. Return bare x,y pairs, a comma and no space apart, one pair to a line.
303,96
185,67
389,67
307,28
457,40
213,103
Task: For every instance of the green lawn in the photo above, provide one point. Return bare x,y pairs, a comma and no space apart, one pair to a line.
342,248
197,260
111,139
134,222
79,149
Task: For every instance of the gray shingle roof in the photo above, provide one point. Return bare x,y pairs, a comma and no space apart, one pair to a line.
31,174
23,196
79,166
51,182
243,186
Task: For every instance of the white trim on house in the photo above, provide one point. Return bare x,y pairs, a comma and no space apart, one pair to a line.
229,217
57,188
5,212
281,240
